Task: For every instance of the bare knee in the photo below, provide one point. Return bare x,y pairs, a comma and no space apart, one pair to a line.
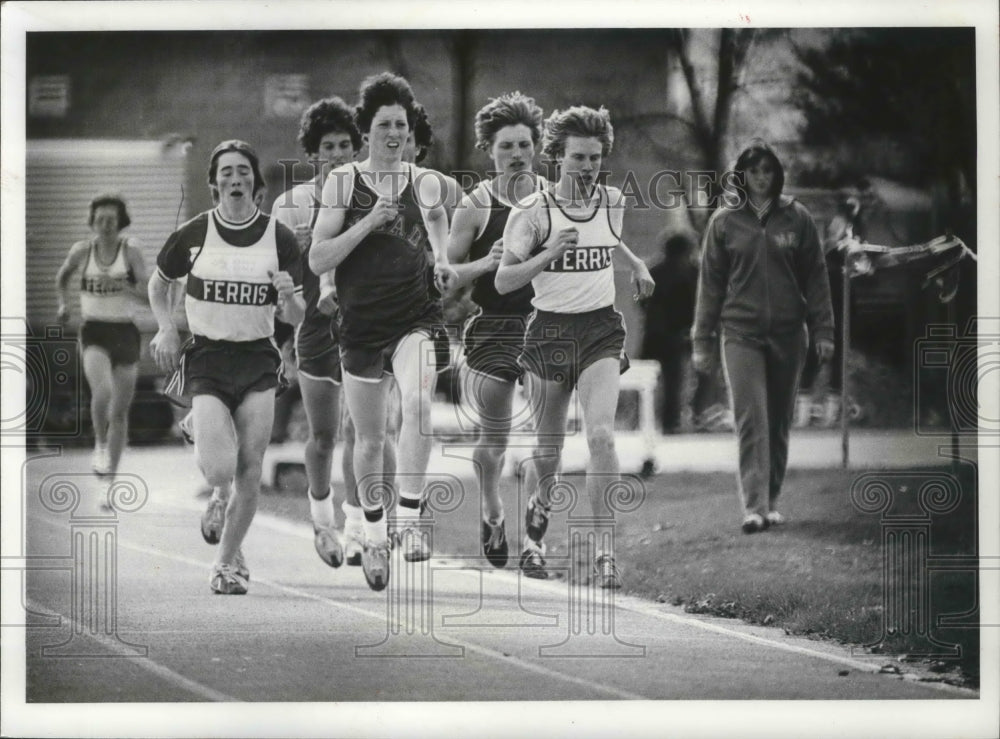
370,445
490,451
322,441
601,440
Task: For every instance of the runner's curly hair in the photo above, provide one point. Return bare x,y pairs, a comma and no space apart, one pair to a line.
510,109
380,90
577,121
329,115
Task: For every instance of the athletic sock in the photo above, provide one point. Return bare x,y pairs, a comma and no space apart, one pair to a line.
321,511
374,527
353,515
494,520
408,509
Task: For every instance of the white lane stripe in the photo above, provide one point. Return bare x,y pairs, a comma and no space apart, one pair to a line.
290,528
381,616
146,663
628,603
635,605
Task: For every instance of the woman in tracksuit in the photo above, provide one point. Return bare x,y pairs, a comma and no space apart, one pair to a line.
763,283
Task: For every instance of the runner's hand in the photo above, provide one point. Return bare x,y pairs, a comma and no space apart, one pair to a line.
165,347
444,276
644,283
567,239
384,211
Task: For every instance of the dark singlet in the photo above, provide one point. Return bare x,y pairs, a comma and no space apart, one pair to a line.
314,331
382,284
484,292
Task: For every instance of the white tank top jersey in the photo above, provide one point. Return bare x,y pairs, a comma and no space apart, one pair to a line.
104,290
584,278
229,293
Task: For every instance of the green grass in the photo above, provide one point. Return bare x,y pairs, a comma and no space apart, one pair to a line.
819,575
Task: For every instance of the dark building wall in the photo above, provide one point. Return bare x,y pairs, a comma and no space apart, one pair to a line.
211,85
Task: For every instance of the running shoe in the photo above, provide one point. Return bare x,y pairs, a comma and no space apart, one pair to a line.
536,520
413,540
329,546
606,574
375,564
101,461
240,565
494,538
353,544
213,519
773,518
226,580
532,563
753,522
186,425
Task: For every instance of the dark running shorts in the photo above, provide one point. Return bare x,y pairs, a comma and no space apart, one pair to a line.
493,344
559,346
119,339
226,369
371,363
317,353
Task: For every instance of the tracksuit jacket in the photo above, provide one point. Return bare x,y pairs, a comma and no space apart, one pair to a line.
762,281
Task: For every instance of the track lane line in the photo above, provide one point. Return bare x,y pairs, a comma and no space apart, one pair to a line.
146,663
288,528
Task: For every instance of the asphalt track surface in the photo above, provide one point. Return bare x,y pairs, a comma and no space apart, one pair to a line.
122,612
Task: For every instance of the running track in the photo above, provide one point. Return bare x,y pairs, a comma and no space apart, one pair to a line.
306,632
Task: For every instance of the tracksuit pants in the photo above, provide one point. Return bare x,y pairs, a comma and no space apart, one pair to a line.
763,379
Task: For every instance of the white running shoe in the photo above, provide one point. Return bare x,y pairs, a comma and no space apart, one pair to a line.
226,580
774,518
413,540
101,461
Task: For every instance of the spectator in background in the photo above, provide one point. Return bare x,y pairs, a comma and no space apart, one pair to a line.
762,281
669,314
821,381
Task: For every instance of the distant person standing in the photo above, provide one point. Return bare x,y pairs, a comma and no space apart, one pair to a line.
763,280
113,279
669,313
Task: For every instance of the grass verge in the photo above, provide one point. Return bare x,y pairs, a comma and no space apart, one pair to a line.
832,572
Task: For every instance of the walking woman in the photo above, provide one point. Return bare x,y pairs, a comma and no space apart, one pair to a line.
762,284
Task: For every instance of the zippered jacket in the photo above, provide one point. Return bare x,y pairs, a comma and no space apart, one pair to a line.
762,278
